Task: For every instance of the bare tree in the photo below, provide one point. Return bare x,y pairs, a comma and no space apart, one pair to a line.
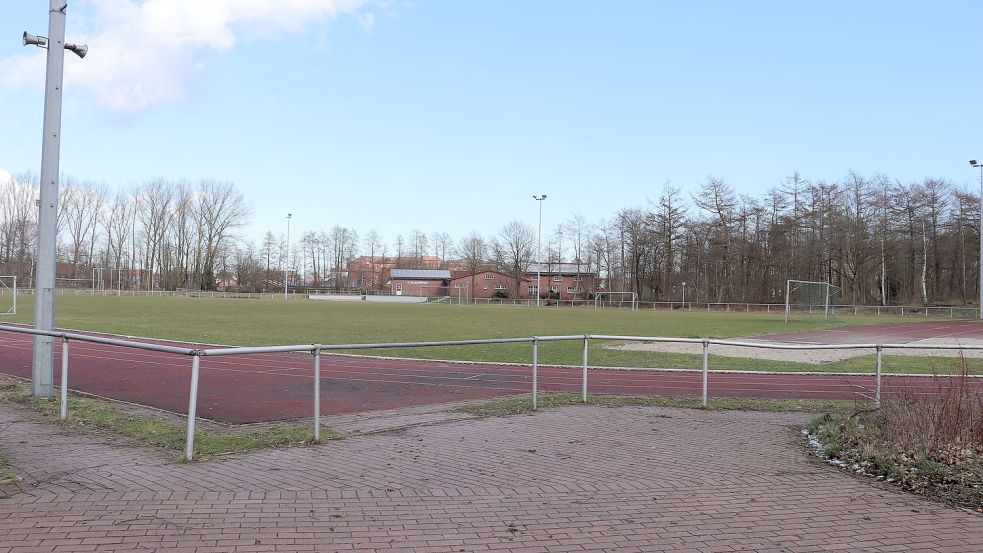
473,251
514,250
221,208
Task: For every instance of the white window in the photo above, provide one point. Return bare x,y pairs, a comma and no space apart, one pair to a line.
500,287
557,278
571,290
489,276
554,289
484,286
577,278
532,289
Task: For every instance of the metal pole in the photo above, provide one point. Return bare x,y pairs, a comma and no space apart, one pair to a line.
981,242
44,296
189,447
706,348
583,391
539,251
64,378
826,313
286,264
877,380
317,395
535,369
788,290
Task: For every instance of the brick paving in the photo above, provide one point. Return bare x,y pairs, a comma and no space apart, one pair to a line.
567,479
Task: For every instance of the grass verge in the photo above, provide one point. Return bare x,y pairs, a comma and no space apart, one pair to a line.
952,474
523,404
83,412
6,477
930,444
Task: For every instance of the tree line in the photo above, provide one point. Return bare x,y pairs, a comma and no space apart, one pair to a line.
878,240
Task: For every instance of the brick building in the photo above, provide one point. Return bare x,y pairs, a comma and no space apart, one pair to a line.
565,281
486,284
419,282
374,272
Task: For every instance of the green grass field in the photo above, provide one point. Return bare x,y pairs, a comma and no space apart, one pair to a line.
270,322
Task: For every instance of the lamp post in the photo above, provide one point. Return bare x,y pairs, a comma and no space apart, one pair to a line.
42,376
286,263
974,163
684,295
539,249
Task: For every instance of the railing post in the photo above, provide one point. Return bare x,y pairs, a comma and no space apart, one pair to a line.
535,369
189,446
317,394
583,391
64,378
706,348
877,380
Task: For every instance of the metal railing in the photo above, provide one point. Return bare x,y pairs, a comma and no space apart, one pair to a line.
316,350
166,293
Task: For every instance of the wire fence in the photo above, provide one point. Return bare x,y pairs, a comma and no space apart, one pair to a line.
316,351
904,311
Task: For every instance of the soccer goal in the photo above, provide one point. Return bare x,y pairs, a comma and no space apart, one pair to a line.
622,300
814,298
8,295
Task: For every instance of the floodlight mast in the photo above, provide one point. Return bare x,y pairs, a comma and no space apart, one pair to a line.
974,163
42,375
539,249
286,265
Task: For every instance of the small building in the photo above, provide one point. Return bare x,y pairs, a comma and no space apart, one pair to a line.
486,284
565,281
419,282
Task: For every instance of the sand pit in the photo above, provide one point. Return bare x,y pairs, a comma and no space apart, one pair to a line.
814,357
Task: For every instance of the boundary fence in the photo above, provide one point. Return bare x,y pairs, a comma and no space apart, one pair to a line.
904,311
316,349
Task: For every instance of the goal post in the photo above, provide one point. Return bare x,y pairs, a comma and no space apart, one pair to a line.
813,297
8,295
616,299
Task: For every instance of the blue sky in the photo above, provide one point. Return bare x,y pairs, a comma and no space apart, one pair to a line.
450,115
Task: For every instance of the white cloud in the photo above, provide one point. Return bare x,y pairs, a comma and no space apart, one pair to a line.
142,53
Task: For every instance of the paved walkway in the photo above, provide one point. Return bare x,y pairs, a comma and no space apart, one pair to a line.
568,479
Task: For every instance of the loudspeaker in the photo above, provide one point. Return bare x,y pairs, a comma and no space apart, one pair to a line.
35,40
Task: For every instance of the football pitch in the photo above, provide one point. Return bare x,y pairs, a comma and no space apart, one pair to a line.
243,322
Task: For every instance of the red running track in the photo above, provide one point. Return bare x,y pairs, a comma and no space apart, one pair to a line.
266,387
889,333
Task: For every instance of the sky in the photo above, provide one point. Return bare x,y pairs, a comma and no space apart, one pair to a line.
449,116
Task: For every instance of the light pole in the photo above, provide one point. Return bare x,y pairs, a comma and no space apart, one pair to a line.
286,263
539,249
684,295
42,376
980,271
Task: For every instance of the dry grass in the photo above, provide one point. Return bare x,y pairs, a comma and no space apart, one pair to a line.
928,443
952,416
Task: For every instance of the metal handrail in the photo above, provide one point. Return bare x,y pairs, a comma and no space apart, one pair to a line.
317,349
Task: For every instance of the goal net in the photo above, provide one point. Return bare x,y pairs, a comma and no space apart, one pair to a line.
624,300
815,299
8,295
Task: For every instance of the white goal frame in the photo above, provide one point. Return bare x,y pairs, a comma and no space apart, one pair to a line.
598,302
9,289
792,285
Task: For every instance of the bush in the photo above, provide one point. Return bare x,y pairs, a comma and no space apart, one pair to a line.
952,416
501,294
928,443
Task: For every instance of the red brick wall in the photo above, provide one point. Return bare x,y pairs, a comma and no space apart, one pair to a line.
485,287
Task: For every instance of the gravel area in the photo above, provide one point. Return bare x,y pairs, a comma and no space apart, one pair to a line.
815,357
